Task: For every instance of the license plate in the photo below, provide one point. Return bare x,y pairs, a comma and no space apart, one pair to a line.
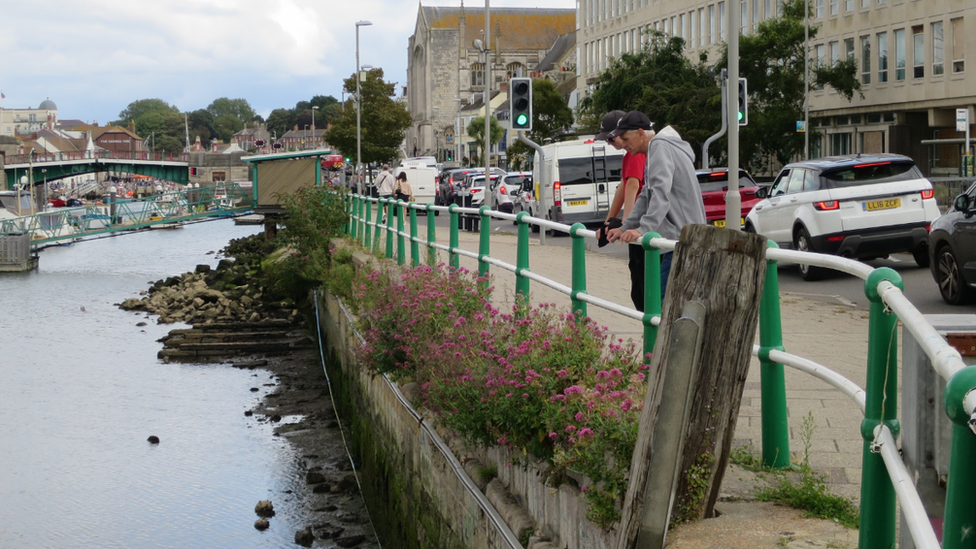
721,222
578,202
882,204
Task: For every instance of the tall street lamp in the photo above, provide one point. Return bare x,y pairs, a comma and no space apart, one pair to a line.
314,108
359,109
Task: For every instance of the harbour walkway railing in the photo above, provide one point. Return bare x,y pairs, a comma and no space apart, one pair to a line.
885,477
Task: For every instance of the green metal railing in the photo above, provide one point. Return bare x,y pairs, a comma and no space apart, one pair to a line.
884,475
118,214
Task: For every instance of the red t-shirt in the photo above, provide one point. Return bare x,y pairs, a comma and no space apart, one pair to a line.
633,166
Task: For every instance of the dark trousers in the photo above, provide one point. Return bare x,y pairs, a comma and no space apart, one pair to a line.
636,264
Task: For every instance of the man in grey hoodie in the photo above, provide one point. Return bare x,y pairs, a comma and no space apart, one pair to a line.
671,197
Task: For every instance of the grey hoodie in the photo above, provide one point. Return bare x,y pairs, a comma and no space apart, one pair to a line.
671,197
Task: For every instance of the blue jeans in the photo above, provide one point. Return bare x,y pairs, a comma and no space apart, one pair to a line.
665,271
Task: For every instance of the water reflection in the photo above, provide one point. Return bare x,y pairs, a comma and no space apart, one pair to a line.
83,390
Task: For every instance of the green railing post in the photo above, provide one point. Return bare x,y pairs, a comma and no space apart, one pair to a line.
652,291
353,201
881,406
579,269
957,528
431,236
522,260
379,225
361,206
390,205
414,245
775,422
484,242
454,259
367,237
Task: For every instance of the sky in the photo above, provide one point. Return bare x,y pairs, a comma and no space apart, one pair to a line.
94,57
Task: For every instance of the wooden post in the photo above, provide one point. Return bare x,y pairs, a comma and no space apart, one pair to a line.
723,270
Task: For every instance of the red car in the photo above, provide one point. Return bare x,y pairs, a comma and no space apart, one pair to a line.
714,184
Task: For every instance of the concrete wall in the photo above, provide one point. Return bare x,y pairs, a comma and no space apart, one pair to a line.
412,491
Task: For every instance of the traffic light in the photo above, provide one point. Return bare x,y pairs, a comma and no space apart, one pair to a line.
521,103
743,103
193,171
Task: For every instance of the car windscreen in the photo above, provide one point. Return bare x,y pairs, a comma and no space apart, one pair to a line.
719,181
869,173
595,169
517,181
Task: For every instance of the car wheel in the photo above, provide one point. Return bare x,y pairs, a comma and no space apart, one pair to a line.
803,243
535,228
953,288
749,228
921,255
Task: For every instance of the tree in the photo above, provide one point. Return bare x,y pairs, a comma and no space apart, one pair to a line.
772,61
280,121
476,131
201,122
551,115
142,106
384,121
238,108
227,125
663,84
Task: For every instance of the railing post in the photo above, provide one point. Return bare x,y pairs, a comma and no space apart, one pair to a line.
390,204
363,208
453,256
775,422
367,237
431,236
379,221
579,269
353,208
484,242
522,260
881,406
957,530
652,291
414,245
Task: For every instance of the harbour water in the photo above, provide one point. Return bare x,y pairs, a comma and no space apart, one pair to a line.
82,391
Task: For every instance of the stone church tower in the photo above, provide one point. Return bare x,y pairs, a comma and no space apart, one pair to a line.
445,73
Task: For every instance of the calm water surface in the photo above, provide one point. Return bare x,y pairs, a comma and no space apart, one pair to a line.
82,390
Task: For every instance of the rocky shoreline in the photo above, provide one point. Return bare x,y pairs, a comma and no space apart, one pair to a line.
234,322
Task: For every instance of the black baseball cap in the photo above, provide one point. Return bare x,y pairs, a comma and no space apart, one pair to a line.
634,120
608,124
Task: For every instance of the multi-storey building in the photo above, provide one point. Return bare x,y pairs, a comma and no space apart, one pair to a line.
446,72
14,122
911,56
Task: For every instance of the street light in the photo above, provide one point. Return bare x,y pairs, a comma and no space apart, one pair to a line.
314,108
359,131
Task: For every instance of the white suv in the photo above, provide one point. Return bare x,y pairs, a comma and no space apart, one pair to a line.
862,206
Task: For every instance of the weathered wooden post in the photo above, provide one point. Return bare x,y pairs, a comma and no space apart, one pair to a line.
722,272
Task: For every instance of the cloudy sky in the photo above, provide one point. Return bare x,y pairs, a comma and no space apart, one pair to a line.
94,57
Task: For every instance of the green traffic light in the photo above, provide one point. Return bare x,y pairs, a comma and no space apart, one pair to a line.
522,119
741,116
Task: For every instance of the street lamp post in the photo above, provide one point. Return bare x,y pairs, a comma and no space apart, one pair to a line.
359,109
314,108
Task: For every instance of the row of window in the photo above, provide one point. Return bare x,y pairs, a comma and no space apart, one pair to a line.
477,70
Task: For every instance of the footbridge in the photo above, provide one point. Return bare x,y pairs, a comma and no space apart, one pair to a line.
39,168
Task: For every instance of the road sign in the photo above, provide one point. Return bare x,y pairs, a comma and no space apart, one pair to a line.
962,119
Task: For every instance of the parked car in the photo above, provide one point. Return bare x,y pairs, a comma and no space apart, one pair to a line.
861,206
506,190
453,183
714,184
524,198
952,250
474,184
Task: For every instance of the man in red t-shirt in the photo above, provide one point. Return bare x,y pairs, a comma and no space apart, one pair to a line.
631,183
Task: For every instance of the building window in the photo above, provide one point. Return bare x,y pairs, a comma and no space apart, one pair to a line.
755,14
900,54
882,57
918,52
684,27
834,7
711,24
849,5
721,20
865,3
478,74
701,27
840,143
694,29
743,17
834,53
938,49
667,26
848,48
958,46
514,70
865,59
820,9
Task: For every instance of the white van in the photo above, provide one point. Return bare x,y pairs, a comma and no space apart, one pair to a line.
423,182
579,180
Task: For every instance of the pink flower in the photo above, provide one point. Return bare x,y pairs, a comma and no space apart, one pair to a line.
570,428
553,434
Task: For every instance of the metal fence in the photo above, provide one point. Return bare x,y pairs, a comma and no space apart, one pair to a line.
885,477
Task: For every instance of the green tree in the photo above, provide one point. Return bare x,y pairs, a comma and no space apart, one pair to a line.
384,121
772,61
476,131
238,108
227,125
280,121
551,115
201,123
142,106
663,84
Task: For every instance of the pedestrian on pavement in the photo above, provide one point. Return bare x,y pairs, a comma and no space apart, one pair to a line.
385,184
403,189
671,197
631,183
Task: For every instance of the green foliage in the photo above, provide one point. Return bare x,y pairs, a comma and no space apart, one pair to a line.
488,473
201,123
551,115
237,108
812,496
142,106
314,216
280,121
476,131
226,126
663,84
743,457
772,59
384,120
690,504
